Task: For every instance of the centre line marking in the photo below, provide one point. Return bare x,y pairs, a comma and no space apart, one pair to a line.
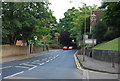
35,63
27,64
21,67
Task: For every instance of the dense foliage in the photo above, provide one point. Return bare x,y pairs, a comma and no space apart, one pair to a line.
74,20
23,20
109,27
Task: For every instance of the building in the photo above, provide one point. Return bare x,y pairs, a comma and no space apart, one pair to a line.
95,17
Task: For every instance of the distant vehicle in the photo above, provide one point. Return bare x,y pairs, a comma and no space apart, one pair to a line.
65,48
70,47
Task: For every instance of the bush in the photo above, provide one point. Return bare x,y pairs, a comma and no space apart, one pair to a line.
53,41
99,31
55,46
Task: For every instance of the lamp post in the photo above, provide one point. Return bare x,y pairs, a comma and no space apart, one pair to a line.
84,27
92,19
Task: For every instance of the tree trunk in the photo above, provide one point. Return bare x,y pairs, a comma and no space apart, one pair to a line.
12,40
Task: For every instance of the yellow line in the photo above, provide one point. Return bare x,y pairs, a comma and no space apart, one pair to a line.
23,58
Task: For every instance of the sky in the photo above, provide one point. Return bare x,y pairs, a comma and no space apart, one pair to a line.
60,6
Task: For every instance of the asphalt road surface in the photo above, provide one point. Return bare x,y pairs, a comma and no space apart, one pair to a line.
59,64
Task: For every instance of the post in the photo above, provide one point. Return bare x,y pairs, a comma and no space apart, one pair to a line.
84,33
113,60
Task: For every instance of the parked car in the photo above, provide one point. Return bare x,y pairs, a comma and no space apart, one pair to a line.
70,47
65,48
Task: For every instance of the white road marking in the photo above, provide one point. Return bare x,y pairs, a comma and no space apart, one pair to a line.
32,68
0,74
27,64
42,63
13,75
47,61
5,67
36,61
85,74
21,67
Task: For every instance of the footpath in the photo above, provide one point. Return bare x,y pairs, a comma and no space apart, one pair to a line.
96,65
8,59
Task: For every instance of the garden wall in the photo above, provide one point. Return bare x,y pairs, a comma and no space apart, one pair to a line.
38,49
104,55
9,51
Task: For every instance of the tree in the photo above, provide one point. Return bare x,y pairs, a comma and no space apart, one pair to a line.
99,31
26,19
73,21
112,19
111,15
65,23
65,39
57,36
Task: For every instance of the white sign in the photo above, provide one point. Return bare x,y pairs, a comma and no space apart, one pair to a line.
35,37
90,41
85,36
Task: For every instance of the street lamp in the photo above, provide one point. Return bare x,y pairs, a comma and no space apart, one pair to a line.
92,19
84,27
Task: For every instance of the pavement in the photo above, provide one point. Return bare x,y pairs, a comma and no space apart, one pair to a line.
96,65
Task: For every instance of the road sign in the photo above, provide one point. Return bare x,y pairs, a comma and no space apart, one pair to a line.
90,41
85,36
30,41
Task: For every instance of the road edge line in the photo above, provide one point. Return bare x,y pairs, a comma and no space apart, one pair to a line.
77,62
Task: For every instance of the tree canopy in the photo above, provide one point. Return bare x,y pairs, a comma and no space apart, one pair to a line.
23,20
74,20
108,28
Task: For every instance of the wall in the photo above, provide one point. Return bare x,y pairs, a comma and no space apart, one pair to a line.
9,51
104,55
38,49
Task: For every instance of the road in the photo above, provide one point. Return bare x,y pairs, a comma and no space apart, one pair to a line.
59,64
52,65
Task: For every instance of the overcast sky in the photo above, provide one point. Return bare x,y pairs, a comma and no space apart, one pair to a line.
60,6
